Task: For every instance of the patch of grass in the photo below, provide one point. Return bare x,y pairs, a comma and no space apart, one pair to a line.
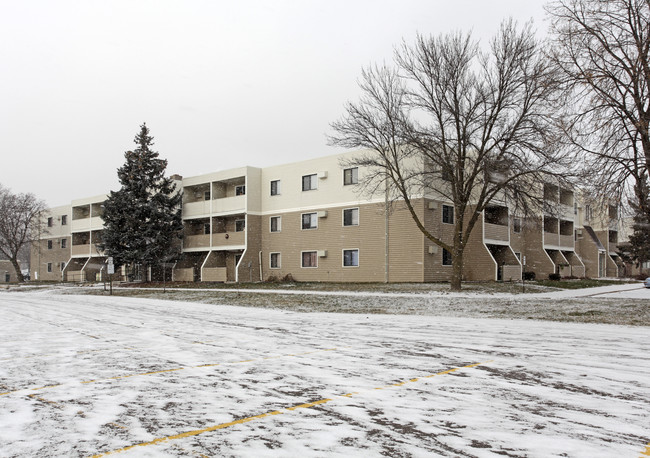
578,283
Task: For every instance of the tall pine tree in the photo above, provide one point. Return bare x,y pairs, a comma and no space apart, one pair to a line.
638,248
142,221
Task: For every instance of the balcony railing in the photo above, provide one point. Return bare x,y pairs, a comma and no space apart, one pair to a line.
96,223
196,241
222,205
81,250
232,239
551,238
567,213
566,241
201,207
496,232
80,225
229,204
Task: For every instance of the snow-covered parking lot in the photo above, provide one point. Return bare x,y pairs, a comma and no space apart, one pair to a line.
98,375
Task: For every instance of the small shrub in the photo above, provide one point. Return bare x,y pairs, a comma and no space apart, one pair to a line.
288,278
528,276
272,279
554,277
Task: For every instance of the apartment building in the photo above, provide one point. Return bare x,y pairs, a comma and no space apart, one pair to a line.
311,221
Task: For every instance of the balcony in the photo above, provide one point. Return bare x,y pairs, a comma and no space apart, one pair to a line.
552,239
196,241
229,239
81,225
236,204
81,250
229,204
566,241
96,223
496,232
191,209
566,212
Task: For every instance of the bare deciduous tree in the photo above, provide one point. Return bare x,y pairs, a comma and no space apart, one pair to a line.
19,224
453,122
603,46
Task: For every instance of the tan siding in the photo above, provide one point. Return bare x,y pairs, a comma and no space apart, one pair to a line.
330,235
536,258
253,247
478,263
57,255
588,252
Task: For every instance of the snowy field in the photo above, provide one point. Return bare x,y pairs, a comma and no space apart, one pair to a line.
84,375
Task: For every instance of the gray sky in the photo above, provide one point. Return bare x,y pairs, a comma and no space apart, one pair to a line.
220,84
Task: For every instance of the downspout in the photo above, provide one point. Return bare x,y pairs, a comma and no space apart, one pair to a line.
386,237
260,261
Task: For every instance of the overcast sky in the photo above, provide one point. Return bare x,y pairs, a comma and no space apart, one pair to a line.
220,84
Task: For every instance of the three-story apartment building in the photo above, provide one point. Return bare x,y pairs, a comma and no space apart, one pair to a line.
311,220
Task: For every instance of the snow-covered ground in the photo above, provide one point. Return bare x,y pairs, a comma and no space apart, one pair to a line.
96,375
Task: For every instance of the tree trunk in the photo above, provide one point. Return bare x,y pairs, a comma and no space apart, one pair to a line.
19,274
457,270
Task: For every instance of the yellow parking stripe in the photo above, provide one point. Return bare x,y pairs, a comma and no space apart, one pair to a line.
646,452
264,415
119,377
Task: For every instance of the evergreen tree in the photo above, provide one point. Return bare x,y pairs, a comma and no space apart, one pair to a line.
142,221
638,248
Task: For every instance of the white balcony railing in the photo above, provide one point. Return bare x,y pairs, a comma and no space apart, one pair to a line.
201,207
80,225
229,204
223,205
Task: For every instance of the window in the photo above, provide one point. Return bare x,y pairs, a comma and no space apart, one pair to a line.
351,217
275,187
350,258
276,223
50,221
309,220
206,228
446,258
62,266
516,224
206,195
309,259
309,182
275,260
64,243
351,176
587,211
445,174
240,225
448,214
49,267
518,255
64,220
49,244
240,190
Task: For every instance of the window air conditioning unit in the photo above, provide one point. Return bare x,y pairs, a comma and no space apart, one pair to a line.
322,253
433,249
322,175
433,205
322,214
